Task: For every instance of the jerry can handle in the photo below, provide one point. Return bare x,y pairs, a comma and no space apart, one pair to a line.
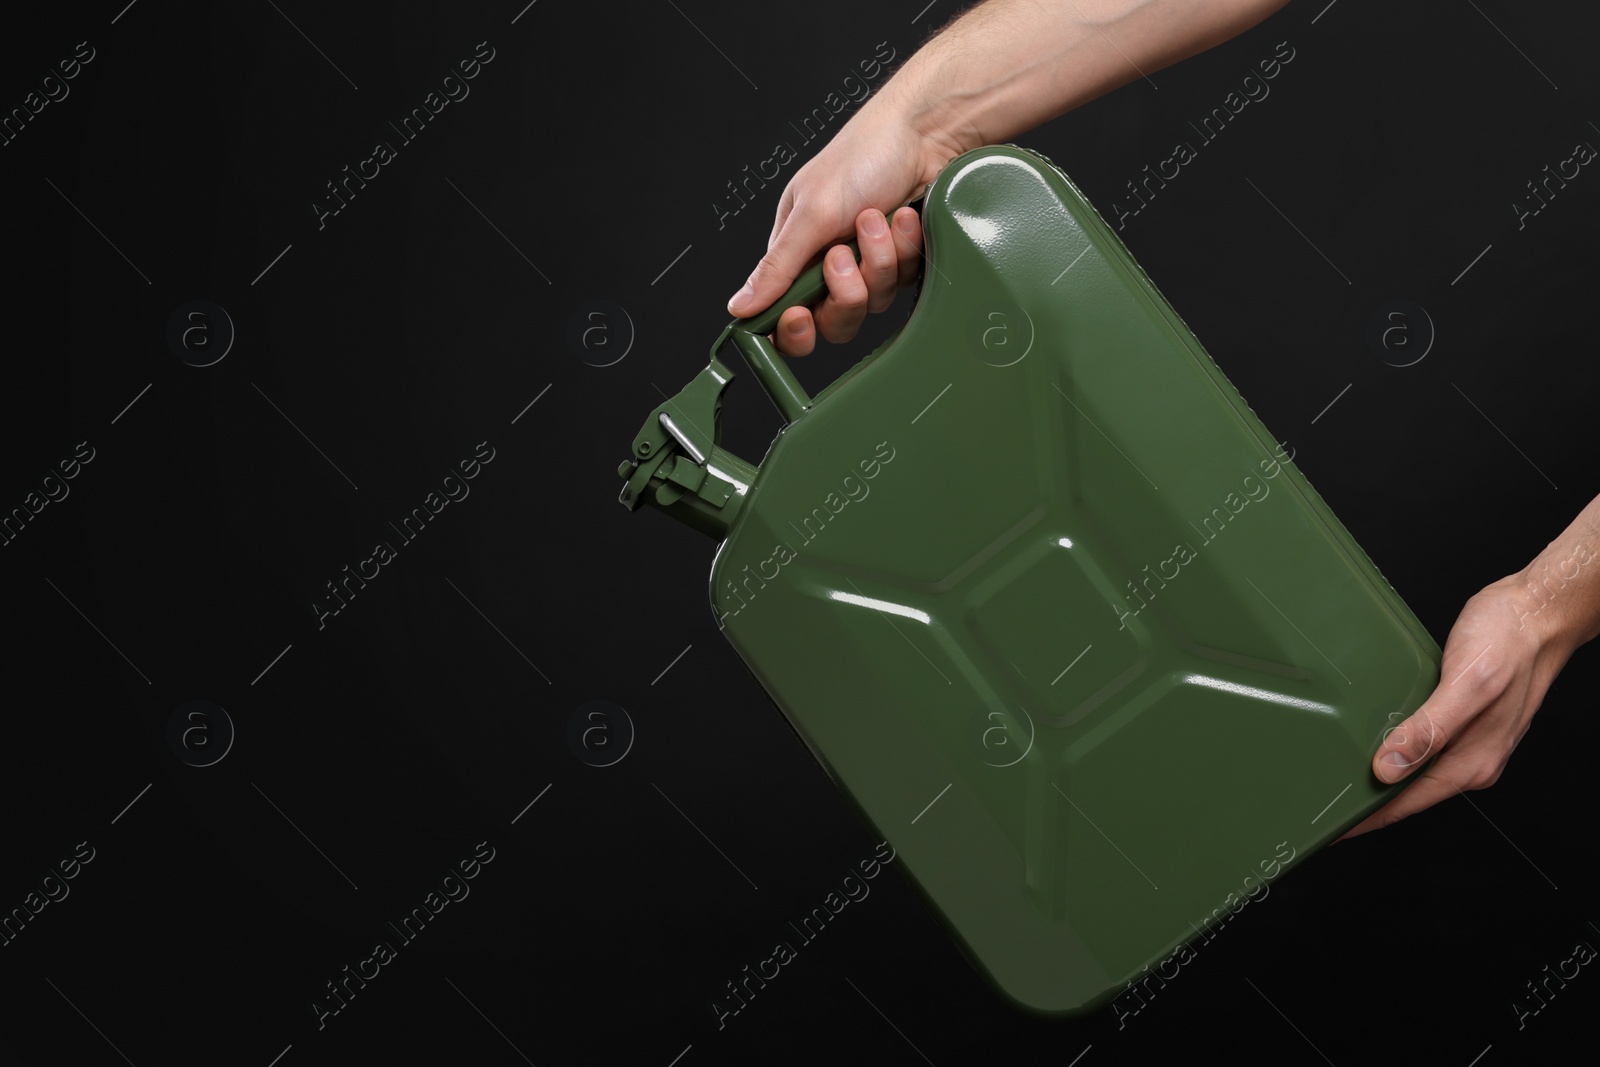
749,336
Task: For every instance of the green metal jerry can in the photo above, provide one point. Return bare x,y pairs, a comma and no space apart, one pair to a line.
1045,598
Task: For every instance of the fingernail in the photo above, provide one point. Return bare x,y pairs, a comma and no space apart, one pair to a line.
873,225
906,224
741,298
1393,766
842,259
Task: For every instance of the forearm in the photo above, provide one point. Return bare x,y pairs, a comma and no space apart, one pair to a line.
1559,592
1006,66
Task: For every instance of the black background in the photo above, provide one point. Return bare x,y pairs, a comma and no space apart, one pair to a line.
427,715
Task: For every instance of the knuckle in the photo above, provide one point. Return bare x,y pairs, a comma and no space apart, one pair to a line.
1489,672
767,265
1483,774
850,296
1425,735
879,256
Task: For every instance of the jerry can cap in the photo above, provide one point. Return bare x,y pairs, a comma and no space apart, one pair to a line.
676,463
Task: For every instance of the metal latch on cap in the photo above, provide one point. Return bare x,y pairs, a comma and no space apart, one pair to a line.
675,456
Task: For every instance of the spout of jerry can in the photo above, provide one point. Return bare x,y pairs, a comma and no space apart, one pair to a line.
677,465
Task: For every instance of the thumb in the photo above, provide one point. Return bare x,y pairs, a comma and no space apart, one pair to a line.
801,237
1428,729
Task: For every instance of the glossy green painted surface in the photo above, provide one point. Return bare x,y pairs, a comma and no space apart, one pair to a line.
1053,608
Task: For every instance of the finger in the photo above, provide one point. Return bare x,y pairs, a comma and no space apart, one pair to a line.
878,267
1473,761
1431,786
796,335
1470,688
801,235
907,229
839,316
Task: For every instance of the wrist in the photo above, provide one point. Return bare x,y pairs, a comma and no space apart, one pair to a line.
910,102
1555,596
942,125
